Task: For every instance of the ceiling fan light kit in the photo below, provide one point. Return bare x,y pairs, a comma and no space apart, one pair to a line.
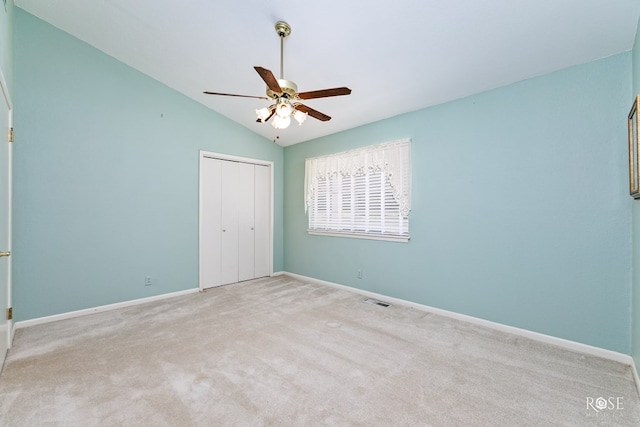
284,93
299,116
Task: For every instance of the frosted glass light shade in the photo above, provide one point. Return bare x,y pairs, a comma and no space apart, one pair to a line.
300,117
284,109
263,113
280,122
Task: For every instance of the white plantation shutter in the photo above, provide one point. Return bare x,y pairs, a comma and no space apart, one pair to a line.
361,193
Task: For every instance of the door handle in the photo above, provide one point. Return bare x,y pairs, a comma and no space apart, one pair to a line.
7,253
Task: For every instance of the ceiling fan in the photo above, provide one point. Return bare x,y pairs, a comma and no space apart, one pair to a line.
285,95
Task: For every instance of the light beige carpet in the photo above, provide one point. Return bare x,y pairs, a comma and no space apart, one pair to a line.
280,352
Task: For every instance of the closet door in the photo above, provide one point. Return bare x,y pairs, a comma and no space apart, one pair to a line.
210,222
235,221
246,214
229,203
262,220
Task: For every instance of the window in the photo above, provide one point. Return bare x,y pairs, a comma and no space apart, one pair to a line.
361,193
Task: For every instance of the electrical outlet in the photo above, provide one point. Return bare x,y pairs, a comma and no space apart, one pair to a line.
147,281
359,274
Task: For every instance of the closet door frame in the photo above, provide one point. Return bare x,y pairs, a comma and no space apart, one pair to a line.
203,157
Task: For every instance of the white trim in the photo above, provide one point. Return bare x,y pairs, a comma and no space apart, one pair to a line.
271,216
10,221
353,235
4,88
100,309
211,155
635,375
548,339
278,273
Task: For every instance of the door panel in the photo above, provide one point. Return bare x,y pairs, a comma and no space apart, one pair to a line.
229,223
262,220
210,222
246,245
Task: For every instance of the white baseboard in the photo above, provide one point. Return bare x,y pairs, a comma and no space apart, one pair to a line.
559,342
78,313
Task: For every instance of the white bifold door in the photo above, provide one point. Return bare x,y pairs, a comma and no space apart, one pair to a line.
235,221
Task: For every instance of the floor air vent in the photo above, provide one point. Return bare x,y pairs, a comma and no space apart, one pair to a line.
376,302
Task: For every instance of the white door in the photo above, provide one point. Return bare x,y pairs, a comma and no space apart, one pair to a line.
229,222
235,220
210,222
246,204
262,221
5,218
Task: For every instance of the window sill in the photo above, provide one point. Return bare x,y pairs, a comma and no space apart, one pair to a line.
400,239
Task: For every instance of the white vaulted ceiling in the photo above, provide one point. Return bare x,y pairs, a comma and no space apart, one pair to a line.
396,56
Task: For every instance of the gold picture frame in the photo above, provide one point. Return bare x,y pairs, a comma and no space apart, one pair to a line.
634,150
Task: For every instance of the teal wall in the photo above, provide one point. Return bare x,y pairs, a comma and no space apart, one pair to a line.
520,210
106,176
6,44
635,314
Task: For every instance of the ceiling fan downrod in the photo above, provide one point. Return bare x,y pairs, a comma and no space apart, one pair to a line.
284,30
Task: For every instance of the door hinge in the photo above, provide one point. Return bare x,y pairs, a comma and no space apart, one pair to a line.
10,135
9,313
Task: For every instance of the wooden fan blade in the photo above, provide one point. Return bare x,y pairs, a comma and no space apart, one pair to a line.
324,93
310,111
232,94
269,79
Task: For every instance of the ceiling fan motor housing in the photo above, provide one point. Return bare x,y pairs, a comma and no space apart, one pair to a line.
289,90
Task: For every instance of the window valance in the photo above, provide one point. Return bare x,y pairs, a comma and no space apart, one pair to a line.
393,158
